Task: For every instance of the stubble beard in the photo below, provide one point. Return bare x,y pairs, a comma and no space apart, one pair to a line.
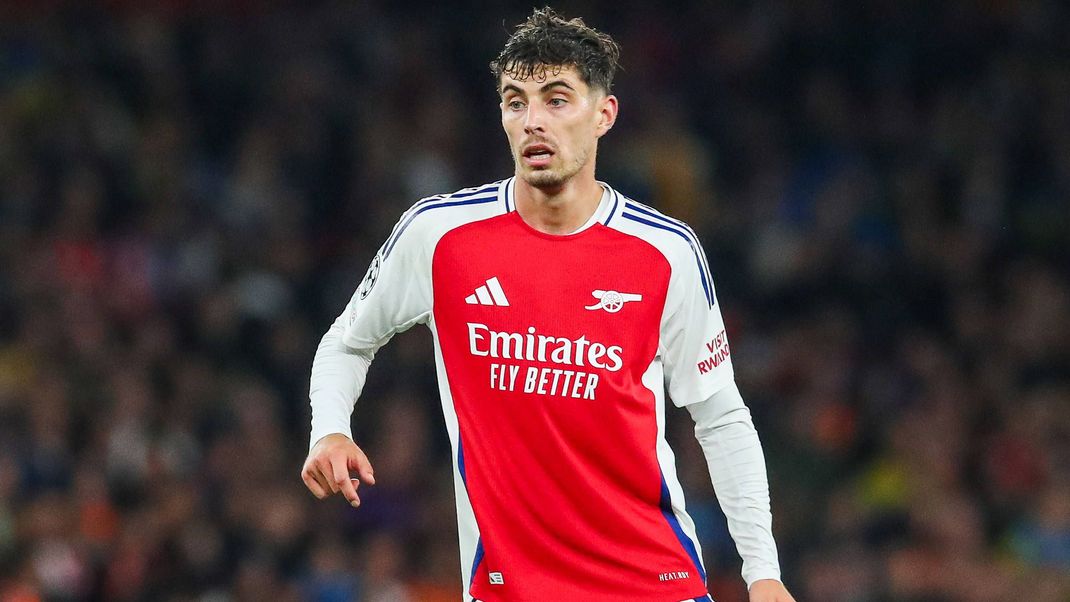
554,178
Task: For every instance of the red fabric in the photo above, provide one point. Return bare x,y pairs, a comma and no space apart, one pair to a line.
565,490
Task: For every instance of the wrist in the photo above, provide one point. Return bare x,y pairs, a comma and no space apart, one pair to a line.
755,577
316,438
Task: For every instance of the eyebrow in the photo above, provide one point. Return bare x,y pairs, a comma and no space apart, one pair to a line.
546,87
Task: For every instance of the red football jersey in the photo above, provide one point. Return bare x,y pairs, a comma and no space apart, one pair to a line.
553,353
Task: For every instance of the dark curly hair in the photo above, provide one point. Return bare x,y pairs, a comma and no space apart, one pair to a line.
548,41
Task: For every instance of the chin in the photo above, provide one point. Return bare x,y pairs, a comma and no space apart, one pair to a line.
544,179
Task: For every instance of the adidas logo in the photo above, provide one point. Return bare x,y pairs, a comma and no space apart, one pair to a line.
489,294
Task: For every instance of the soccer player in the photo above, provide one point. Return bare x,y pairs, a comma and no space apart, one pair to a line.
560,310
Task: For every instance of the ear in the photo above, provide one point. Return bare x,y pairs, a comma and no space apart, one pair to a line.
607,114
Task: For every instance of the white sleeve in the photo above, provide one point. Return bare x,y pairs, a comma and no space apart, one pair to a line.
724,428
695,349
396,292
394,295
338,376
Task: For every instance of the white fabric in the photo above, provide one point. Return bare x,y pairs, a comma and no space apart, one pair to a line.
724,428
467,528
692,329
654,380
394,295
338,376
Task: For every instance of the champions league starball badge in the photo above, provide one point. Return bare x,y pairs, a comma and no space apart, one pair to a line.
370,278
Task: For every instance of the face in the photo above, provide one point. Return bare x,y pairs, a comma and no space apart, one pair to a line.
553,121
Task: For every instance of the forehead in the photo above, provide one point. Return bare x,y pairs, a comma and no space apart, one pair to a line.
533,79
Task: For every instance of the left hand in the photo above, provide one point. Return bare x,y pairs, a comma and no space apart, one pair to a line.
769,590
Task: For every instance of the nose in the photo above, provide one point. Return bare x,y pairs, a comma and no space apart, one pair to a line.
533,121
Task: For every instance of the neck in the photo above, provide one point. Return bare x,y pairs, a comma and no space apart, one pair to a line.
559,210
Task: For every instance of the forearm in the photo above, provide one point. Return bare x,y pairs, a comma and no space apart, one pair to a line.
338,376
736,462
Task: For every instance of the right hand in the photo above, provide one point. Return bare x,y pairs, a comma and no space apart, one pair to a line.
327,468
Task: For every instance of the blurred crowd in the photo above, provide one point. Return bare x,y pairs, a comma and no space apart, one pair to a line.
189,194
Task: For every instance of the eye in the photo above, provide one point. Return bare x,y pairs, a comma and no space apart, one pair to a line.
515,105
557,102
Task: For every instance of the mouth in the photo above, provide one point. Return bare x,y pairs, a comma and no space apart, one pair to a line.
537,155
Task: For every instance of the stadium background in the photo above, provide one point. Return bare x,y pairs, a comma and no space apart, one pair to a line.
189,194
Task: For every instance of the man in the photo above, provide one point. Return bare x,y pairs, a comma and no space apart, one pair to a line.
559,309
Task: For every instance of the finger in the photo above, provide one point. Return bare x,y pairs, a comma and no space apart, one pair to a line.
326,470
324,482
313,472
317,475
363,466
344,483
313,486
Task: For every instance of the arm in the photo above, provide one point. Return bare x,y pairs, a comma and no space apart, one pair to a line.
393,296
338,376
734,456
699,375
